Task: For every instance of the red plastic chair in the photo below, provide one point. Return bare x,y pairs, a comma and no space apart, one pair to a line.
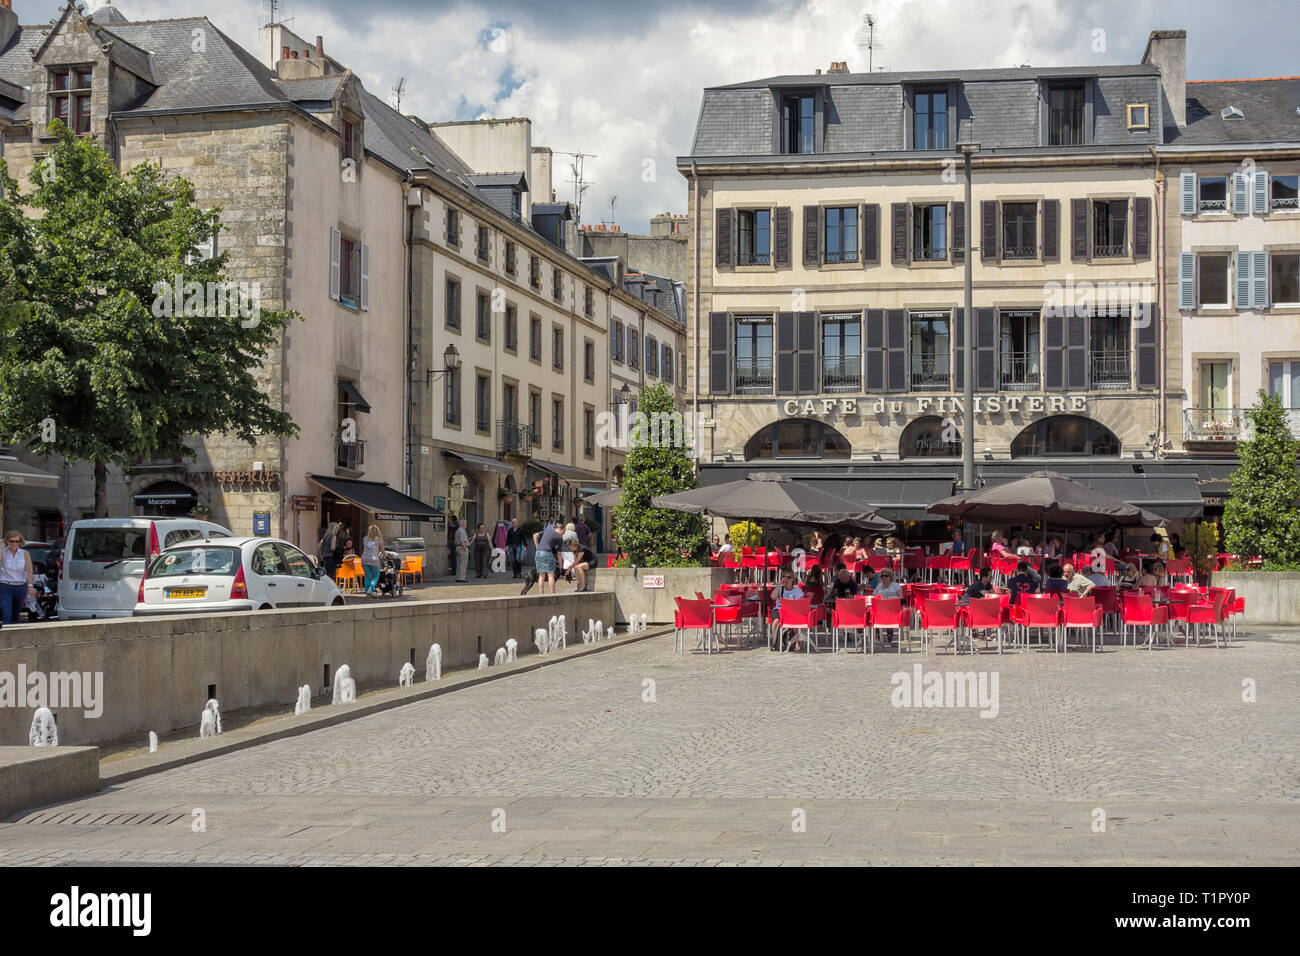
1083,613
1038,612
1140,612
1107,599
889,614
849,614
985,614
938,615
1208,612
797,614
692,615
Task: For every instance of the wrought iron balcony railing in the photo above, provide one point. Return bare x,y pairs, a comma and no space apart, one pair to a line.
1110,250
350,455
1213,424
1110,369
754,376
1019,252
1020,370
753,258
930,254
929,372
514,438
841,373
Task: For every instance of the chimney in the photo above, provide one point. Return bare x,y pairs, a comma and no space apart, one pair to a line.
284,53
8,23
293,54
320,47
1167,51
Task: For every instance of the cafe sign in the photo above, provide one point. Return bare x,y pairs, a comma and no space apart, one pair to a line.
934,405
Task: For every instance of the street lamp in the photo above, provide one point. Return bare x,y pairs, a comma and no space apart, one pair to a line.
968,353
450,362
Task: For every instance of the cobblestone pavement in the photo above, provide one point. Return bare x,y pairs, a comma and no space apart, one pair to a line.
750,758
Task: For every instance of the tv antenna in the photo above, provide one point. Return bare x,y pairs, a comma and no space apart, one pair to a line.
580,182
275,5
397,94
867,39
613,200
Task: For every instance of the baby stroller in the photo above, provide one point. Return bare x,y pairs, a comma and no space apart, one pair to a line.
390,575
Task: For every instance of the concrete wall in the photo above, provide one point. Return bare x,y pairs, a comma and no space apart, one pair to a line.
1272,597
157,672
631,598
36,776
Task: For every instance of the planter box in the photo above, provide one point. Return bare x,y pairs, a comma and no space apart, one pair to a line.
631,597
1272,597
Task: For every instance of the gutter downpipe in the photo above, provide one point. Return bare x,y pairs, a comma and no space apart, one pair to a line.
695,392
1161,423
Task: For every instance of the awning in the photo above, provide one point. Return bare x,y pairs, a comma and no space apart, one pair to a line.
564,471
165,494
15,472
1168,495
898,497
605,499
478,461
376,497
350,390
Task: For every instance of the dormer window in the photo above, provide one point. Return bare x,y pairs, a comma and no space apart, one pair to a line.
1139,117
1065,113
930,119
70,98
799,118
1231,112
350,142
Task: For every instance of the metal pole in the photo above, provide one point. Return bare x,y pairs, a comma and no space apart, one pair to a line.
968,354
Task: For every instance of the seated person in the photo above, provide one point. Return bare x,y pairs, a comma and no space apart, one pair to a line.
1130,578
814,577
583,559
982,586
1098,576
1022,582
1056,580
843,586
1151,576
887,587
786,589
1079,583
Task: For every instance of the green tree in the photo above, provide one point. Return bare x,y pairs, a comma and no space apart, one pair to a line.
658,465
745,534
97,362
1203,546
1260,517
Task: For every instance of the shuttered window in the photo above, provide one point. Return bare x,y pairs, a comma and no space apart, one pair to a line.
898,232
870,234
1141,228
719,353
1211,281
781,236
989,231
1051,230
1019,230
1187,192
812,233
1079,230
753,358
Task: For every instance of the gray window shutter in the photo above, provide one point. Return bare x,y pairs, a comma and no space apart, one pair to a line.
986,350
1186,281
335,254
1141,228
898,229
1051,230
1187,188
365,277
1239,188
959,232
812,235
719,353
896,349
1148,335
786,349
870,243
1261,192
874,349
781,236
722,239
1259,280
989,230
1053,350
1242,270
1079,243
1076,351
958,340
806,352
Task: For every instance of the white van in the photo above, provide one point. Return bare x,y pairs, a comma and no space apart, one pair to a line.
104,560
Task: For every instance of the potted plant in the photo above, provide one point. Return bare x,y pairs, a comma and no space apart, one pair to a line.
1203,549
201,511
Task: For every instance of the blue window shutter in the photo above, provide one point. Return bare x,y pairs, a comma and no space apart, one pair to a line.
1186,281
365,276
1242,263
335,242
1187,180
1261,192
1239,205
1259,280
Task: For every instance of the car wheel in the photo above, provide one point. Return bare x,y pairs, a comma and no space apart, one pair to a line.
337,602
265,607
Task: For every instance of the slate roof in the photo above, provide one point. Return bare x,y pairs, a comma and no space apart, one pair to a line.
312,89
1269,108
930,76
657,291
500,179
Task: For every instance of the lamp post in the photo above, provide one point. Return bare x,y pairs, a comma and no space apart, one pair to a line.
968,353
450,362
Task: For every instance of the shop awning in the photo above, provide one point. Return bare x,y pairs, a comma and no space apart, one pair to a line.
478,461
350,390
567,472
384,502
15,472
165,494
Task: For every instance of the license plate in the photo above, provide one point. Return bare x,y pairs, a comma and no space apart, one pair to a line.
186,592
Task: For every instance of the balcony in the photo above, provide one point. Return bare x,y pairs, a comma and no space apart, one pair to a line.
1214,205
1215,426
850,256
929,372
514,438
754,376
1110,250
1110,370
841,373
1020,371
1284,203
753,259
930,254
1019,252
349,455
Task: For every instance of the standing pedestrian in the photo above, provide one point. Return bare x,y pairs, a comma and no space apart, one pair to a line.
482,547
462,553
15,577
547,541
372,553
328,559
516,547
452,526
584,531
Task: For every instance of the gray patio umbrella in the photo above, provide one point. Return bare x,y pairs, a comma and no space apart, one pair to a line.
1047,497
775,499
606,499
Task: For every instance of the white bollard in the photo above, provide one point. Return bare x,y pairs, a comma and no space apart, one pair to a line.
433,664
609,635
153,741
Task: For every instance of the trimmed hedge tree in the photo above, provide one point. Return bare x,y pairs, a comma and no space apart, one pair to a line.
1260,517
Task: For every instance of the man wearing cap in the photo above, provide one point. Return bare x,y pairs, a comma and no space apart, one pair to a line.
1098,576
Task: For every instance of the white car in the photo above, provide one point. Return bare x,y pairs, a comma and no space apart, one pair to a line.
103,559
234,574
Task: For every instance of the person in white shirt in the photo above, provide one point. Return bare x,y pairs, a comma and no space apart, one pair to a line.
15,577
788,588
888,587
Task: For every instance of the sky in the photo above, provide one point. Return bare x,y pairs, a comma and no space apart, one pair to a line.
621,81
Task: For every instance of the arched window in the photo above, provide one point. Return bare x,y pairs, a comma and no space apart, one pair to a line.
928,438
1065,436
797,438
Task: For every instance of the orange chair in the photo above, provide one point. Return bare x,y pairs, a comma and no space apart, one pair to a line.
349,575
412,567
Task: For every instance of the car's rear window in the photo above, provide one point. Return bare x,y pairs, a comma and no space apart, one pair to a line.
109,544
181,561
